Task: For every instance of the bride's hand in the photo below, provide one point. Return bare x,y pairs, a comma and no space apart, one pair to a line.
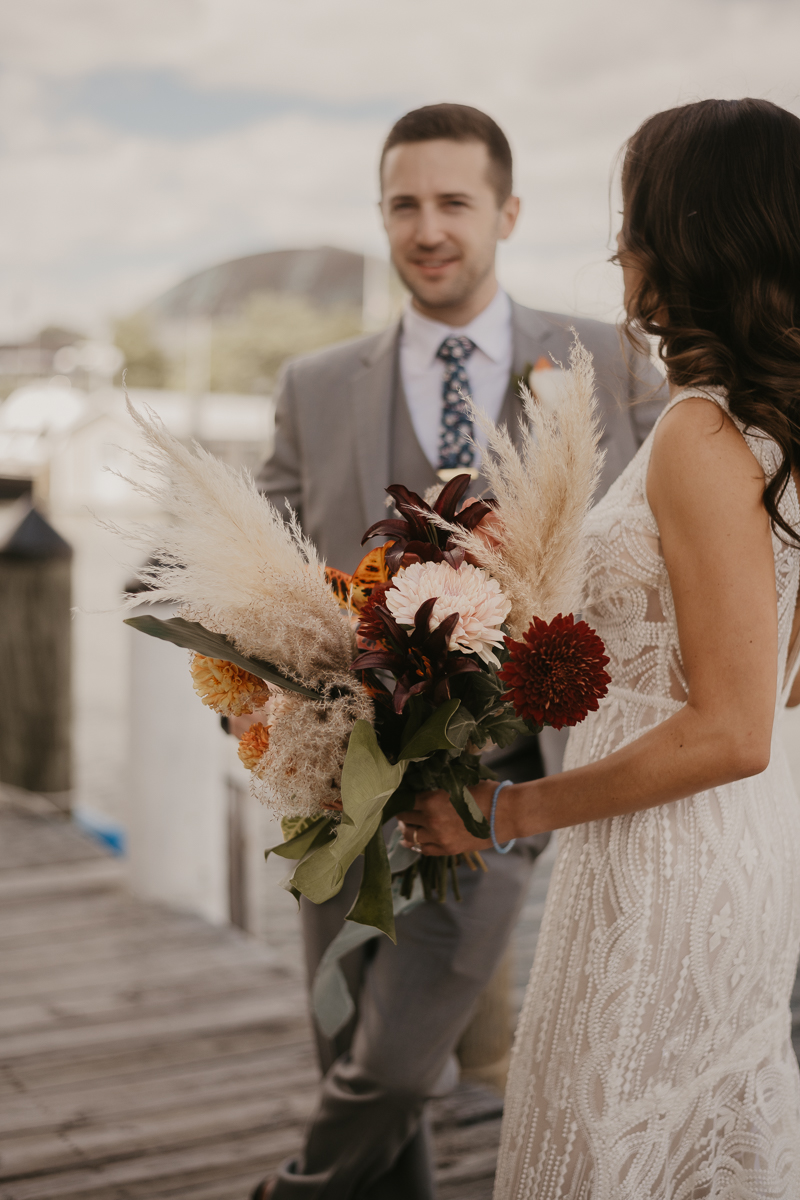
434,827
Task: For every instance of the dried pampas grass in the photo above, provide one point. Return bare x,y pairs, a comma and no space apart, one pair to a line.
302,769
234,565
544,490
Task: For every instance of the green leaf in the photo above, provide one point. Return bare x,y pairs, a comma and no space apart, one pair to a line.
193,636
368,780
464,804
461,727
433,735
503,729
299,845
373,904
331,1002
292,826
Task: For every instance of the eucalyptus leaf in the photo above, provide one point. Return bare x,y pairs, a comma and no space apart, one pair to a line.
193,636
368,780
373,904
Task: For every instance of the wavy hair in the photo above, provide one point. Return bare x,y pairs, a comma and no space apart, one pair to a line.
711,195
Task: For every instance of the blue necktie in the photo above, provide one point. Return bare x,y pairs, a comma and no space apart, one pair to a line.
455,448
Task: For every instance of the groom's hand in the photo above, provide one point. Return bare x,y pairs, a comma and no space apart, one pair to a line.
434,827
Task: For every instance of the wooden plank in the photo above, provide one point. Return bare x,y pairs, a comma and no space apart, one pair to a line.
79,1140
98,1102
263,1149
42,883
166,963
155,1061
221,1014
120,1002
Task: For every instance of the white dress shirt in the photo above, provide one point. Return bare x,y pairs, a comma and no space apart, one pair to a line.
488,367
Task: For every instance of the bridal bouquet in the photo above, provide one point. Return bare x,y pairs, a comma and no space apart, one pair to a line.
392,681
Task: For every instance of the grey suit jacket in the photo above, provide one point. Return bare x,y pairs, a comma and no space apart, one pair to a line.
332,453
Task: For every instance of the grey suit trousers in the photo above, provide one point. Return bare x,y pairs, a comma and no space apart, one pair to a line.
368,1139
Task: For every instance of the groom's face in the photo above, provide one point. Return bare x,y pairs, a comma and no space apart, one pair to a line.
441,213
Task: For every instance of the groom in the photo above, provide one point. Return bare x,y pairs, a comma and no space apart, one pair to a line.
351,420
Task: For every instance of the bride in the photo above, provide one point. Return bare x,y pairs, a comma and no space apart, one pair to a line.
653,1055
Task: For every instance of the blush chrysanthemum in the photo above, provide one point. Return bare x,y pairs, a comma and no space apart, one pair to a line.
555,675
467,590
227,688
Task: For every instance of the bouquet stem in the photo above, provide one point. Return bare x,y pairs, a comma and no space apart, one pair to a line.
433,872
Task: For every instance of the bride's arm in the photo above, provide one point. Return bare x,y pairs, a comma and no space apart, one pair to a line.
704,487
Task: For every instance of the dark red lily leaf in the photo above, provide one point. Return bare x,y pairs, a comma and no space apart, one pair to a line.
416,536
419,658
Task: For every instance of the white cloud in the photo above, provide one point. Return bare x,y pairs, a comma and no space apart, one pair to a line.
94,221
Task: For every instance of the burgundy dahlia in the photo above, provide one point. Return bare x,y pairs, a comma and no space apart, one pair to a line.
555,675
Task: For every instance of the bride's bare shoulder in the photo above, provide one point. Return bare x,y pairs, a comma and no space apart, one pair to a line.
697,447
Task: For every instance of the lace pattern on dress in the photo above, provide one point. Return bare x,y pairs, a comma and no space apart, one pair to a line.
653,1055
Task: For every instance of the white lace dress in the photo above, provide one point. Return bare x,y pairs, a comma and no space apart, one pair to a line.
653,1055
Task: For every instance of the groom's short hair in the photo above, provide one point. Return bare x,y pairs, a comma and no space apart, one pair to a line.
457,123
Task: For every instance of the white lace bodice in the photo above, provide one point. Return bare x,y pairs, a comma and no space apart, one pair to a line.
653,1057
629,601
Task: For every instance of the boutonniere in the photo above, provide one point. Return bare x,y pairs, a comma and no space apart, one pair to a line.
543,379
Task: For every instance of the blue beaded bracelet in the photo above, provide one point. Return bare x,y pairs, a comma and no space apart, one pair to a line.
509,845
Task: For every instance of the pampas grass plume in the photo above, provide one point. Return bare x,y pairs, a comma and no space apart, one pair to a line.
231,561
544,489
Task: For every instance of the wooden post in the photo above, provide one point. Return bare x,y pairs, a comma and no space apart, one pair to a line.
35,656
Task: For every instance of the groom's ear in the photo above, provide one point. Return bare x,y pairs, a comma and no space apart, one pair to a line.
509,215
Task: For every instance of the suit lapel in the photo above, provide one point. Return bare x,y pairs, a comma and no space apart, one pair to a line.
371,397
530,335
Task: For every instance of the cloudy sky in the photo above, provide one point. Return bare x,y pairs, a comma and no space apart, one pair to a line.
142,141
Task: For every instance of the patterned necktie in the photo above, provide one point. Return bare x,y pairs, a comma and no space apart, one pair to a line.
455,448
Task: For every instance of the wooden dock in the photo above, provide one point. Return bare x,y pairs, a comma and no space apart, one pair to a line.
146,1055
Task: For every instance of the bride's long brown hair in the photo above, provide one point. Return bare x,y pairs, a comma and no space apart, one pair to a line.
711,196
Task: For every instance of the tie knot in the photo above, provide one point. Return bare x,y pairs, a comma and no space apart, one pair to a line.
455,349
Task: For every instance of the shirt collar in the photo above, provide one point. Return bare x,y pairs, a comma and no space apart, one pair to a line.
490,331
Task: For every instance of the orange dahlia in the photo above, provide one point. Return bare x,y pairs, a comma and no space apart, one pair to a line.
555,675
253,745
227,688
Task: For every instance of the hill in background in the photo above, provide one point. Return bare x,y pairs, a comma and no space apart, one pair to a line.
230,327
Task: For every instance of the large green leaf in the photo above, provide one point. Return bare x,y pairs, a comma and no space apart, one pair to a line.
193,636
373,904
433,735
368,780
331,1001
